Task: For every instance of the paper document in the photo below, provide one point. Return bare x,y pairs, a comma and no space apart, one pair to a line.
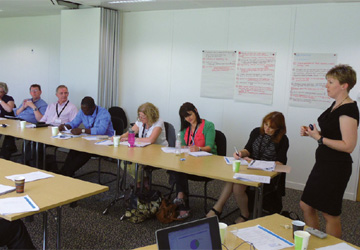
6,189
262,238
262,165
95,137
137,144
33,176
17,205
200,153
252,177
230,160
172,150
105,143
342,246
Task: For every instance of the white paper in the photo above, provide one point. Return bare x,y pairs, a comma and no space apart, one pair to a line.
262,165
172,150
342,246
262,238
95,137
105,143
17,205
200,153
6,189
137,144
230,160
65,136
253,178
33,176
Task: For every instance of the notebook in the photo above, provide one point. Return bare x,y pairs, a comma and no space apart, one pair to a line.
199,234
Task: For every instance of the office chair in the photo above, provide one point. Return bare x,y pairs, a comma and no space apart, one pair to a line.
220,141
119,113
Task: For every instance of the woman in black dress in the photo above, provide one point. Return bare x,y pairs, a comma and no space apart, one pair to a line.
328,179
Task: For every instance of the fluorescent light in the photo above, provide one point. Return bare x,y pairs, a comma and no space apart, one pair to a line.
130,1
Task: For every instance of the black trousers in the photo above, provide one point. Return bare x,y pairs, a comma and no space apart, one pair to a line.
181,182
74,161
14,235
8,147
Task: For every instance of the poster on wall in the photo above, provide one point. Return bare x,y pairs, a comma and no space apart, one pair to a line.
218,74
308,79
255,74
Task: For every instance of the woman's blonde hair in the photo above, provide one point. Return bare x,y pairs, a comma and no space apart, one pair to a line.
4,87
151,112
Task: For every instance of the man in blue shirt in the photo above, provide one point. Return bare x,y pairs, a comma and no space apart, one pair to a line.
33,109
97,121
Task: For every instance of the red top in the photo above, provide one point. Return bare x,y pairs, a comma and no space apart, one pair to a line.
199,135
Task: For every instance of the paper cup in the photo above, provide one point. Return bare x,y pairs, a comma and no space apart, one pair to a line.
116,140
297,225
236,166
222,228
54,131
20,184
301,240
22,124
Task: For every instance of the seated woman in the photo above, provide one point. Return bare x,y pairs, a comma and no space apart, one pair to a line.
268,143
149,127
199,135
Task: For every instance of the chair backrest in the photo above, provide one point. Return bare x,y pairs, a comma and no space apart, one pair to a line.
120,113
170,134
220,141
118,125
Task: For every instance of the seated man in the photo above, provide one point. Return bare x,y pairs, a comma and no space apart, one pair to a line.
14,235
33,109
97,121
62,111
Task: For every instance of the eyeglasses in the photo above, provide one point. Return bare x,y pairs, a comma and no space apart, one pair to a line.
142,117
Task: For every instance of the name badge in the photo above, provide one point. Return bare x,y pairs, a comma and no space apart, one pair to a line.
57,121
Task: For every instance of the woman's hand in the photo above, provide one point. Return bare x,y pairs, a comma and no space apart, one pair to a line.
237,156
313,133
303,131
123,138
194,148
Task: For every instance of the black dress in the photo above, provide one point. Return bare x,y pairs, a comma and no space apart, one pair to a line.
328,179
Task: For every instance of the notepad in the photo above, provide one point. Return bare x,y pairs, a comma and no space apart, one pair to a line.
6,189
252,177
200,153
17,205
33,176
230,160
262,165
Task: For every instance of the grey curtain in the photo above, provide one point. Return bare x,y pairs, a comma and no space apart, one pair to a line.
109,58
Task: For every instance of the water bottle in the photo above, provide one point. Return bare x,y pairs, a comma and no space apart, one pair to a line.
131,138
178,144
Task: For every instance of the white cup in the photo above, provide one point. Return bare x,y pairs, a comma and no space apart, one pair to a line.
222,228
22,124
116,140
301,240
54,131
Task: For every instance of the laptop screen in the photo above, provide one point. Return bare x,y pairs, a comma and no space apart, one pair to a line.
199,234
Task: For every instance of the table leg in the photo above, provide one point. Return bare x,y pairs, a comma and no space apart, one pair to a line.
24,151
58,228
44,155
258,201
37,154
45,216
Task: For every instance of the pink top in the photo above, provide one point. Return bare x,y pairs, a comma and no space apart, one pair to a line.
57,114
199,135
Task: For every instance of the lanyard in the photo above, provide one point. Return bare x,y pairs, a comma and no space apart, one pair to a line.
143,134
94,118
193,136
58,114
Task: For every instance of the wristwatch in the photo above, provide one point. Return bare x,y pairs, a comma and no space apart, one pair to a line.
320,141
83,130
199,149
35,109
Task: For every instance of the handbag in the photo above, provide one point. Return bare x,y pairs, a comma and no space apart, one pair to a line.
167,212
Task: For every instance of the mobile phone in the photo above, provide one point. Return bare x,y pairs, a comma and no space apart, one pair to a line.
311,126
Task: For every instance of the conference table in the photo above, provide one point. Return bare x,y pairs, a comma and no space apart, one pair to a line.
276,224
47,193
213,166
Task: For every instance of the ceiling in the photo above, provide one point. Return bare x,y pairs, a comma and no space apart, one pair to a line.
17,8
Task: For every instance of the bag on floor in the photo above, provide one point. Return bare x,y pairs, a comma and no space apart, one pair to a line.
142,206
167,212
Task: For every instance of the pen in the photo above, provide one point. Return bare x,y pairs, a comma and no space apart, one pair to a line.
237,152
252,163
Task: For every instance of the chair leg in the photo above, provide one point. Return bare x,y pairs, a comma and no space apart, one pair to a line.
99,170
171,191
205,197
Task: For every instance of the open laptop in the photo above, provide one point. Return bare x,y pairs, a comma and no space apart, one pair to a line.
198,234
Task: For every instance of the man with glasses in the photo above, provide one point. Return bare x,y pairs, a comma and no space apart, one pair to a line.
33,109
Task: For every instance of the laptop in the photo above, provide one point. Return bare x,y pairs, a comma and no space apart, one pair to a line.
199,234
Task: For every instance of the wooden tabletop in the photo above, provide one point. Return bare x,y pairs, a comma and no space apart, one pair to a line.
46,193
209,166
274,223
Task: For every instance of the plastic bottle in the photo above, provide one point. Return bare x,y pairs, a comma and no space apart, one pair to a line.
131,138
178,144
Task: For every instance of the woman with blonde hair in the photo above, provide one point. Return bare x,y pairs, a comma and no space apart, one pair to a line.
268,143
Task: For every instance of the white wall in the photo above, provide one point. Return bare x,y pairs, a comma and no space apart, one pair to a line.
29,53
161,63
79,61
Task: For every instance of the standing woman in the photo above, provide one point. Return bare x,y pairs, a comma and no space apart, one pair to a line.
6,108
199,135
328,179
268,143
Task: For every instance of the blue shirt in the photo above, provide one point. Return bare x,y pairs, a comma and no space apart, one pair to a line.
28,113
99,122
